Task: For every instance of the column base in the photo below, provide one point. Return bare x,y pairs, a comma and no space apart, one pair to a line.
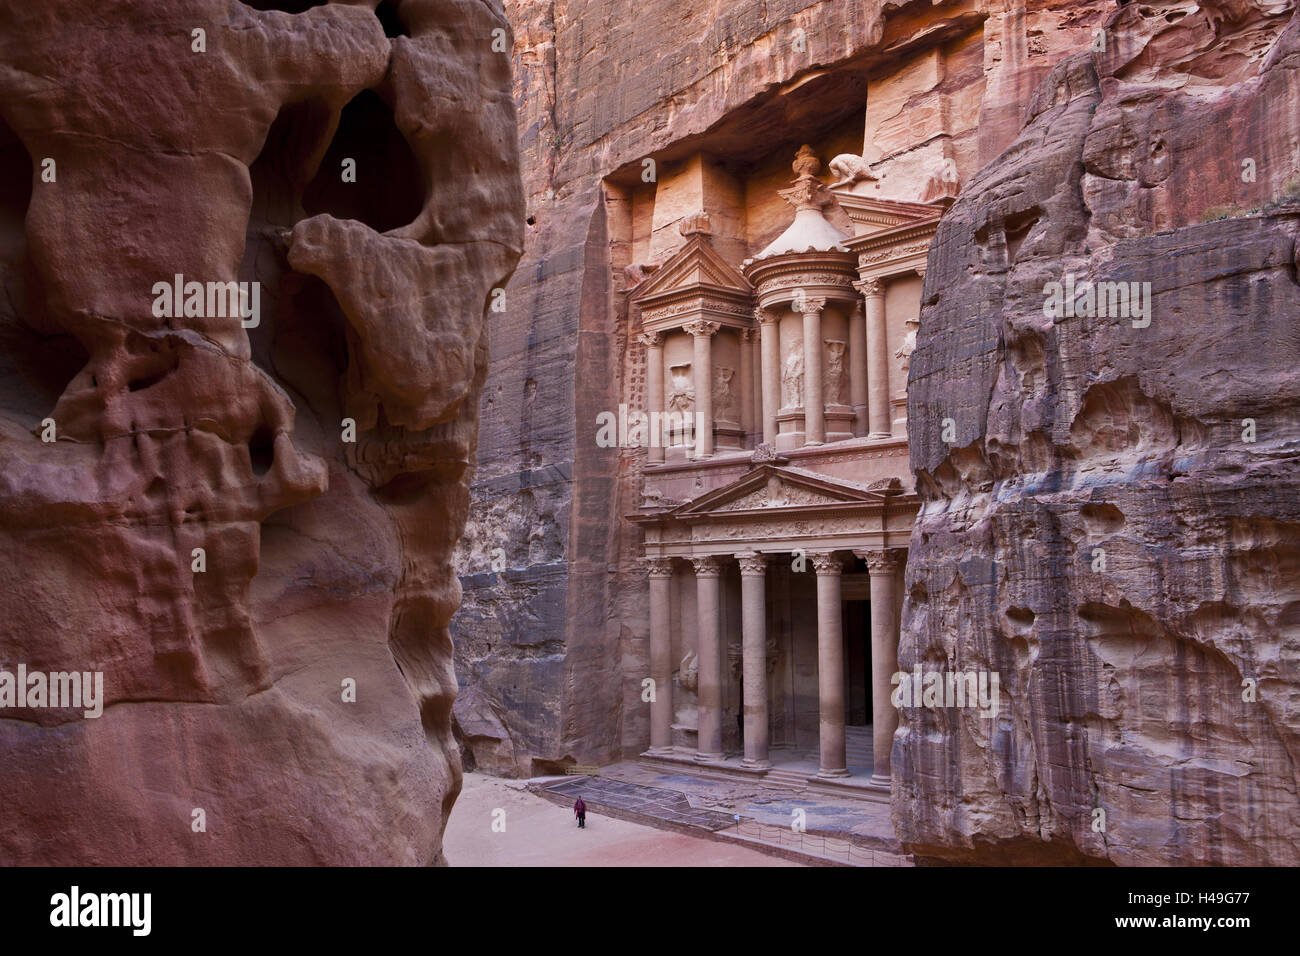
878,782
812,442
833,774
880,435
756,764
709,758
658,752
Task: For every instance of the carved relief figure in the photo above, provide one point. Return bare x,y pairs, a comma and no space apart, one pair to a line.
834,377
792,380
682,396
905,351
688,672
724,394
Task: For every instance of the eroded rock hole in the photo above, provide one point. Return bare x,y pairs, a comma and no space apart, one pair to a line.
388,191
1102,519
1017,228
388,18
153,369
37,360
1021,618
285,165
261,450
15,191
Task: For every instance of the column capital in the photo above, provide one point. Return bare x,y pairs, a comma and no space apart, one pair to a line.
752,563
651,340
765,316
870,287
810,305
707,566
825,562
749,335
701,328
658,567
885,561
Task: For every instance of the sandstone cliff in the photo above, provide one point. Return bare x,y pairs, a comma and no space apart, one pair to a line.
234,520
1112,521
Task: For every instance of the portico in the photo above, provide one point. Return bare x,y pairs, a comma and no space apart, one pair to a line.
787,585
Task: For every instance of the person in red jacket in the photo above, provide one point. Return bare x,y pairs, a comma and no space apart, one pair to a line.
580,811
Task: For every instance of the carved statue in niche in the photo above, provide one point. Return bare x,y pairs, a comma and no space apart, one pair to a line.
792,380
835,372
682,396
688,672
905,350
724,394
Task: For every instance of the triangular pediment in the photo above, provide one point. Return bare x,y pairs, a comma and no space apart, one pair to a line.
694,267
774,486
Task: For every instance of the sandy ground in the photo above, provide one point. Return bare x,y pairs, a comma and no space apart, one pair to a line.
540,833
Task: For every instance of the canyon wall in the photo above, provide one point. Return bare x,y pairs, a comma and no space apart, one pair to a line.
1110,516
242,512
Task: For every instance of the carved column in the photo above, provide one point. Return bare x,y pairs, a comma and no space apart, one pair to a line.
883,567
753,579
756,394
654,361
814,402
703,333
707,574
830,666
873,290
858,368
660,571
746,385
770,345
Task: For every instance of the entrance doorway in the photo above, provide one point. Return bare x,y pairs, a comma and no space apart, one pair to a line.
857,663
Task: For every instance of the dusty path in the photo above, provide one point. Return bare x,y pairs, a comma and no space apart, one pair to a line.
539,833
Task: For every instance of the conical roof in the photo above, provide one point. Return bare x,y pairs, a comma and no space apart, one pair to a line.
810,232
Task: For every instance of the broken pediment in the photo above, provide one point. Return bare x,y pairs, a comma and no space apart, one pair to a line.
872,216
695,268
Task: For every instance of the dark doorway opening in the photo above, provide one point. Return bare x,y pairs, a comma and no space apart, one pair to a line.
857,663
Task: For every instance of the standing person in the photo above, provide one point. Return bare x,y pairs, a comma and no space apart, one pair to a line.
580,811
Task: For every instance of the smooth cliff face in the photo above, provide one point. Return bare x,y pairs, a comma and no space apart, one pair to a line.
293,679
1111,521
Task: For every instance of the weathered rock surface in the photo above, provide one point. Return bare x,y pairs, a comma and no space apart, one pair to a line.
1114,526
326,560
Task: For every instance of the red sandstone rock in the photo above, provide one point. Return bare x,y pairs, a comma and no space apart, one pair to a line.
326,561
1079,436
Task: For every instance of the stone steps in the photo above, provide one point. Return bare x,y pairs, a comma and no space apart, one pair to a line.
786,778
